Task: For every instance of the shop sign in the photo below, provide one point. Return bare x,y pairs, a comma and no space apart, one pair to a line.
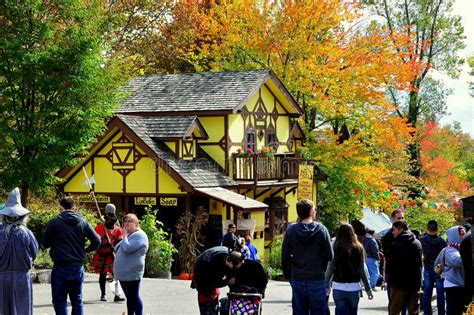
145,201
168,202
88,198
305,182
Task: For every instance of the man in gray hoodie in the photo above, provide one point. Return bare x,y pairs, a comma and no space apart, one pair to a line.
306,251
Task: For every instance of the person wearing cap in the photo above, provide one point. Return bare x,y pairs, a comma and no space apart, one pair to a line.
214,268
103,260
66,235
230,240
18,249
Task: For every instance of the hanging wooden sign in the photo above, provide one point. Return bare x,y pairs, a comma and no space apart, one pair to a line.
305,182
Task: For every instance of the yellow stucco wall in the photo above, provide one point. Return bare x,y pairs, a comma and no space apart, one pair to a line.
291,200
107,179
214,127
236,128
167,185
143,179
259,217
75,183
171,145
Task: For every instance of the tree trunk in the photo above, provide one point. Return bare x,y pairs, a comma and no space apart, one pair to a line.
24,195
414,148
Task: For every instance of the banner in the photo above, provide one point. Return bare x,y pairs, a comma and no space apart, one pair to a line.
305,182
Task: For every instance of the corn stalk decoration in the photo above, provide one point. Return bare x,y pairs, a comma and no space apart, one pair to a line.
189,231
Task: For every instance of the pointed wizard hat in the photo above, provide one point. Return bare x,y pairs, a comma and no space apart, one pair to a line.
13,207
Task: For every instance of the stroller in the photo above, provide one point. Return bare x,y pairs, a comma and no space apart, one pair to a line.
246,294
243,304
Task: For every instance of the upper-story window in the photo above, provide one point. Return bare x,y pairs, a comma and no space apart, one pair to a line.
251,139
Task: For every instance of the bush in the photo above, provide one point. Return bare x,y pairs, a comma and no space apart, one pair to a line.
159,257
43,211
273,261
43,260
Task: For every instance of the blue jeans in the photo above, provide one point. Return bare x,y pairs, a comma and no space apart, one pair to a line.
346,302
373,266
131,289
67,280
309,297
431,280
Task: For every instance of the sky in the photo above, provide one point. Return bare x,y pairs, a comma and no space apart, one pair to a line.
460,104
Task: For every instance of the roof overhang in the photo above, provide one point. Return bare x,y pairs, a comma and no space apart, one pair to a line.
231,198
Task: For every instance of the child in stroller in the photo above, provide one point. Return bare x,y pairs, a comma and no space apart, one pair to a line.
246,290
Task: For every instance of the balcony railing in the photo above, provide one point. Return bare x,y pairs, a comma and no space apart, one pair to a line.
256,168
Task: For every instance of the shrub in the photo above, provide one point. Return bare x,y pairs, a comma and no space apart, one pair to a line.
43,211
273,261
159,257
43,260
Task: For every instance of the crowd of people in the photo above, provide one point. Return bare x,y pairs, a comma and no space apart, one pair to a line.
119,255
412,266
409,265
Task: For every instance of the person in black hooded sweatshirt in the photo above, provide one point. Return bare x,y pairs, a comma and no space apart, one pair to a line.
306,251
432,245
66,235
406,263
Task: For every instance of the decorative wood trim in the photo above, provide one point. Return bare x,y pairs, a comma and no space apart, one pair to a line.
226,145
62,173
273,194
276,99
133,194
252,93
263,192
196,124
290,190
285,92
188,147
116,122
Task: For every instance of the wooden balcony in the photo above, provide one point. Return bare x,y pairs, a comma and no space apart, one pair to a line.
256,168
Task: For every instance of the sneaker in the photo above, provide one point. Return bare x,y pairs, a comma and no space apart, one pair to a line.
103,298
118,299
374,290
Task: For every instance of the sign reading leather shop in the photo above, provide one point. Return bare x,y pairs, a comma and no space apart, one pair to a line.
99,198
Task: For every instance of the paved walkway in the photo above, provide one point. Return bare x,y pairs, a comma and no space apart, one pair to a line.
175,297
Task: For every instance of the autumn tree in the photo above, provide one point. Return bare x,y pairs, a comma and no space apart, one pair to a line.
338,72
447,159
436,37
56,87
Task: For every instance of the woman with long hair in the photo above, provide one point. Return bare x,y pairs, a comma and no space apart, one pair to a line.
346,271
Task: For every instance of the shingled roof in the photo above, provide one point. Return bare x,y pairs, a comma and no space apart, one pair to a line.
198,173
168,127
208,91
